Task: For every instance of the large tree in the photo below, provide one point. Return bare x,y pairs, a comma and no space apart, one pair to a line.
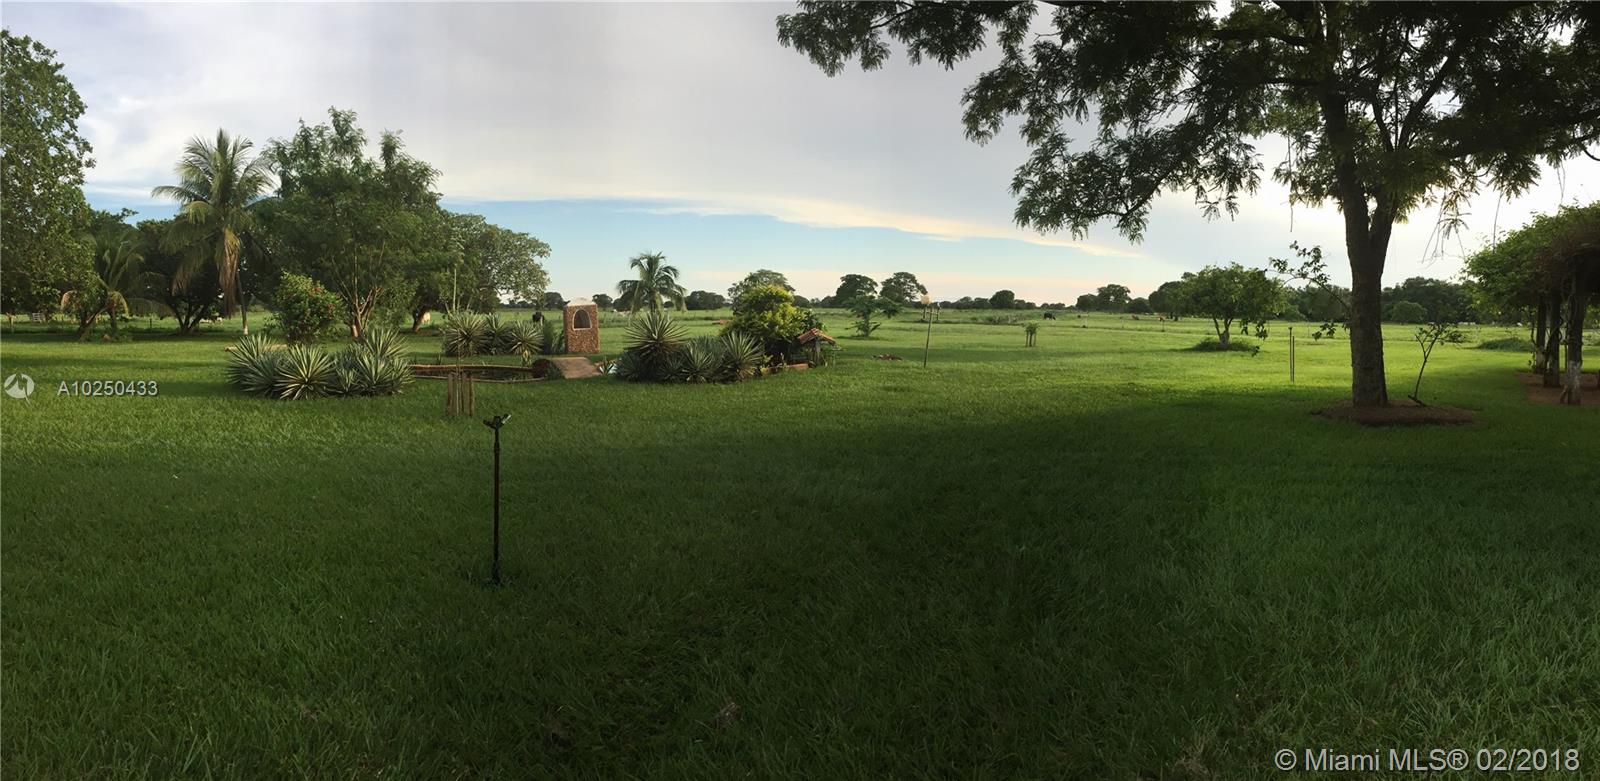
43,215
903,287
1387,107
480,263
1234,294
220,186
853,286
655,283
757,278
199,297
367,228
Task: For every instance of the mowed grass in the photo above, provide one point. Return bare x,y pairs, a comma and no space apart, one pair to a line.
1104,557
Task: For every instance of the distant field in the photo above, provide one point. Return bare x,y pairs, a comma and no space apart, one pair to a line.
1104,557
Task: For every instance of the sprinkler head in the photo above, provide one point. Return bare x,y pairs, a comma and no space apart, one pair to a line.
497,421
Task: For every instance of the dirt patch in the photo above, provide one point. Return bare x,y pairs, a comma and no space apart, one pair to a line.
1399,413
1538,394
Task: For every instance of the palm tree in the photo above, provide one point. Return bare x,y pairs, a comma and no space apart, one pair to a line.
657,282
219,185
115,283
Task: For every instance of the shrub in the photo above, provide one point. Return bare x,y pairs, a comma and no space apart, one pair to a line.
742,356
1212,344
304,310
701,360
553,338
378,365
653,341
465,334
767,313
1407,312
1520,344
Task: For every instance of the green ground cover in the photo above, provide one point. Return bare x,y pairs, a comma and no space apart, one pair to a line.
1104,557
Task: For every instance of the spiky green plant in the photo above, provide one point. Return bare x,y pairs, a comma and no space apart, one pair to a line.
630,368
742,356
555,338
303,372
253,365
498,335
655,340
525,342
702,360
346,382
387,344
465,334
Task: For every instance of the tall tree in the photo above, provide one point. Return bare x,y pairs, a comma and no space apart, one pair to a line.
367,228
1112,297
1388,107
1167,300
763,276
220,183
200,297
117,279
852,286
1234,294
1003,299
43,214
656,283
902,287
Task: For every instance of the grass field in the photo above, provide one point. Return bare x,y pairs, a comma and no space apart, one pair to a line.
1104,557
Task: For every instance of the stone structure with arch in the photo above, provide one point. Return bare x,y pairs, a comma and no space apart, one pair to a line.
582,326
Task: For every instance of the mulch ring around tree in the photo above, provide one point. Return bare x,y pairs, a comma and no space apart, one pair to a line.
1538,394
1404,412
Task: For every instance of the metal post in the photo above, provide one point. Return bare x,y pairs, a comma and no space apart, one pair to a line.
927,314
1291,355
495,423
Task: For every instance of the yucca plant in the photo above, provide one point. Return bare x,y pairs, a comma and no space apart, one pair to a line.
525,342
742,356
655,341
555,338
702,360
498,336
387,344
346,382
630,368
253,366
465,334
303,372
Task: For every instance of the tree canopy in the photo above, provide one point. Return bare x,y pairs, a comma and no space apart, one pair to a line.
1387,107
43,214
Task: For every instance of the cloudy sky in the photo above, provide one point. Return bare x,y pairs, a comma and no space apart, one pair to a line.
610,129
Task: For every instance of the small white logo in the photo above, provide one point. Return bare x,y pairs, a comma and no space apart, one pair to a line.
19,386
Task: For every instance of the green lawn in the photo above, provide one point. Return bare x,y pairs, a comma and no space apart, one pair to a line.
1104,557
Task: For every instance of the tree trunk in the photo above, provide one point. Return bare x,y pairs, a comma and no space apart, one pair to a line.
1223,332
1572,392
1368,385
416,321
1552,344
1540,321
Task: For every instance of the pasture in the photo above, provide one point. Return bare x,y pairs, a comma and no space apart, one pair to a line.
1103,557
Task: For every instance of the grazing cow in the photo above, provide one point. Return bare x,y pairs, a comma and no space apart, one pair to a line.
1049,315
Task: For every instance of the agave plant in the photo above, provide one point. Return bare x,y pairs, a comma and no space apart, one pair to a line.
498,336
346,382
630,368
465,334
303,372
654,339
525,342
387,344
555,338
253,366
702,360
742,356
